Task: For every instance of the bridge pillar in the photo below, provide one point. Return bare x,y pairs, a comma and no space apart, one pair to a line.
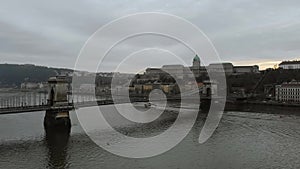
58,113
210,89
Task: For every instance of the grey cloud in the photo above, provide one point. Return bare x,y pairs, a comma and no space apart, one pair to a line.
53,32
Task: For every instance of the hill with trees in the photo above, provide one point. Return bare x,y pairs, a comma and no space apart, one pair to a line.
12,75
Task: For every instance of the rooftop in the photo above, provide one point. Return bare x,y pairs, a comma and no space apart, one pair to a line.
290,62
293,83
246,66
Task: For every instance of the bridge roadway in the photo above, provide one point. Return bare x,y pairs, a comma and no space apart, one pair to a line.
71,106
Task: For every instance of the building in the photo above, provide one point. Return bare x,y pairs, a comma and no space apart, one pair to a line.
288,92
229,68
246,69
196,62
221,67
290,64
174,70
196,68
181,72
154,73
30,85
198,71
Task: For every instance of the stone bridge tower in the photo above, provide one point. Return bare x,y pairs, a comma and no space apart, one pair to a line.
58,113
58,91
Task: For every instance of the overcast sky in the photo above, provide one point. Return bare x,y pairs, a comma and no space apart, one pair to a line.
244,32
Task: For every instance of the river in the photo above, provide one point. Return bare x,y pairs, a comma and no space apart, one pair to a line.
242,140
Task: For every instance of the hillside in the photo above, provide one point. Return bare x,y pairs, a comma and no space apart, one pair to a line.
12,75
257,82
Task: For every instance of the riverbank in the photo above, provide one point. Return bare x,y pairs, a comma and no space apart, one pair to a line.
261,107
273,103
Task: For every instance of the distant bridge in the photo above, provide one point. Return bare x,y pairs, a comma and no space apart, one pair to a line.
23,107
11,106
59,100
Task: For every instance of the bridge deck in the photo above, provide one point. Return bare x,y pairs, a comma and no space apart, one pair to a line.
71,106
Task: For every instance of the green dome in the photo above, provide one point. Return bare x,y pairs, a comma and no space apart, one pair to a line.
196,58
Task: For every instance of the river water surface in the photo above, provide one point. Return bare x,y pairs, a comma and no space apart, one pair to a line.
242,140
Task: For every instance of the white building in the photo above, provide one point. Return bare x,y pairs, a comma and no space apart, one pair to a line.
288,92
290,64
29,85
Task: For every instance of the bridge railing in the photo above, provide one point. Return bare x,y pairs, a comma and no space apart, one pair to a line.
34,99
23,99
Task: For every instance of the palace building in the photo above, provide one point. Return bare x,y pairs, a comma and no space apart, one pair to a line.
290,64
288,92
181,71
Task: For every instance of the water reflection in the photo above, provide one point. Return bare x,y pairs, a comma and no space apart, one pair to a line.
57,140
